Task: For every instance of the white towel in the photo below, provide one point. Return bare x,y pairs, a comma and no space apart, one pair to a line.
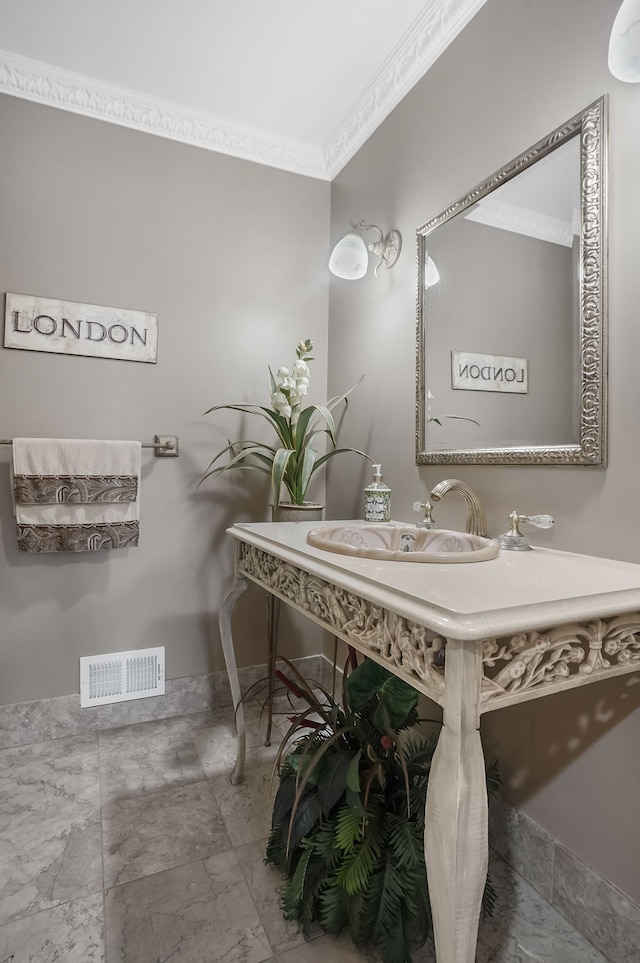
76,494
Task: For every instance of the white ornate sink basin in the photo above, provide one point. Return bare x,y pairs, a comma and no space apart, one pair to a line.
402,543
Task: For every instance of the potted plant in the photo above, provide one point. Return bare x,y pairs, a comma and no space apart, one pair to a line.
293,460
348,817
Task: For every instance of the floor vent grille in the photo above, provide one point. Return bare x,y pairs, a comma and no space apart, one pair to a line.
120,676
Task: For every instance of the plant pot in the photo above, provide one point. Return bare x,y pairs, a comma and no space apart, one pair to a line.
288,512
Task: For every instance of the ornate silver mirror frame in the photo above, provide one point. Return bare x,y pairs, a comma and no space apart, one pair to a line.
588,442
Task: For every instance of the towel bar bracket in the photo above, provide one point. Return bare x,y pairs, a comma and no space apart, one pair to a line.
166,446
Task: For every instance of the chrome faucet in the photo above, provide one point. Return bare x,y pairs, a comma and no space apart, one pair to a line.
476,519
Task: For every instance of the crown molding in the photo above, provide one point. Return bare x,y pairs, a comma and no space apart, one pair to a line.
54,87
430,34
522,220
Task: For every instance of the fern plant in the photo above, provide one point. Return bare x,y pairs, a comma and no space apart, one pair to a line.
348,817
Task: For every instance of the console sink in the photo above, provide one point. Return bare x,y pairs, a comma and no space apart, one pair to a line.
402,543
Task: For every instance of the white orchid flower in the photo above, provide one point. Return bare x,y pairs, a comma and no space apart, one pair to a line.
295,396
300,369
292,460
283,409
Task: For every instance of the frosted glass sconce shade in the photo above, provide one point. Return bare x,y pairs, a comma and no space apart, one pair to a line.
431,275
624,46
349,258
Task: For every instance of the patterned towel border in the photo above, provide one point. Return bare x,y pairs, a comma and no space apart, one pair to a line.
77,538
57,489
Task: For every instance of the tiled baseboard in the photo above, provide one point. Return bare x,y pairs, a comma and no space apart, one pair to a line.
591,904
27,722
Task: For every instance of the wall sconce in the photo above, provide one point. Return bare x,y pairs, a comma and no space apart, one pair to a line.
350,259
624,46
431,274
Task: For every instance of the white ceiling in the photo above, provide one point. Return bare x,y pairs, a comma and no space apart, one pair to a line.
291,83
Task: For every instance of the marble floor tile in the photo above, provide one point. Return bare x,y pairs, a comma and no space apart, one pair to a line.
198,913
144,820
50,847
147,757
247,807
326,949
214,737
148,833
69,933
264,882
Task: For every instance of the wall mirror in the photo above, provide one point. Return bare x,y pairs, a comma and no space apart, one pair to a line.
511,328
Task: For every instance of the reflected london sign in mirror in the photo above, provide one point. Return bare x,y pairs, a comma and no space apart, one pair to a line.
511,333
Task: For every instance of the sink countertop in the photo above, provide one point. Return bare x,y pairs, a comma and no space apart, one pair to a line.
515,592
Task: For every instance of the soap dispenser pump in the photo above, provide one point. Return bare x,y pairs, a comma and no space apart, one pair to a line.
377,499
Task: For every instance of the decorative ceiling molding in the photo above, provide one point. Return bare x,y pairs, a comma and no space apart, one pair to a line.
436,27
522,220
430,34
45,84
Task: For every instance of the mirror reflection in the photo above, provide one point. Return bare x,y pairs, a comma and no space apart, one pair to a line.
511,365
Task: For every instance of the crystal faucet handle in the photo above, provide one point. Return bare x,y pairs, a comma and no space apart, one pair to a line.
540,521
514,540
427,521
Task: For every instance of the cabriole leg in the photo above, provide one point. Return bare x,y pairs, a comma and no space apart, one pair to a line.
224,623
456,839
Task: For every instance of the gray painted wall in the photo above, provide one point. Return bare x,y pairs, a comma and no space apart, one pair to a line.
232,256
515,73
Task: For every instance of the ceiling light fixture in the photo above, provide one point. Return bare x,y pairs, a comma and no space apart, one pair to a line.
624,46
350,259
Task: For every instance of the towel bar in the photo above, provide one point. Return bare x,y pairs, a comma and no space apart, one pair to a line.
165,446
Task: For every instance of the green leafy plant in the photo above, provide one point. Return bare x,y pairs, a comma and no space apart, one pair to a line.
348,817
293,460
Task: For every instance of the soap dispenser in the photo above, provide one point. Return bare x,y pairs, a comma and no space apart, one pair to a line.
377,499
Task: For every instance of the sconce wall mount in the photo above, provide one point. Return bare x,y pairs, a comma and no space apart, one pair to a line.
349,258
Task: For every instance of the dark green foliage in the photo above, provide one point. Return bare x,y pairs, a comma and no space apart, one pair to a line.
394,699
348,818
